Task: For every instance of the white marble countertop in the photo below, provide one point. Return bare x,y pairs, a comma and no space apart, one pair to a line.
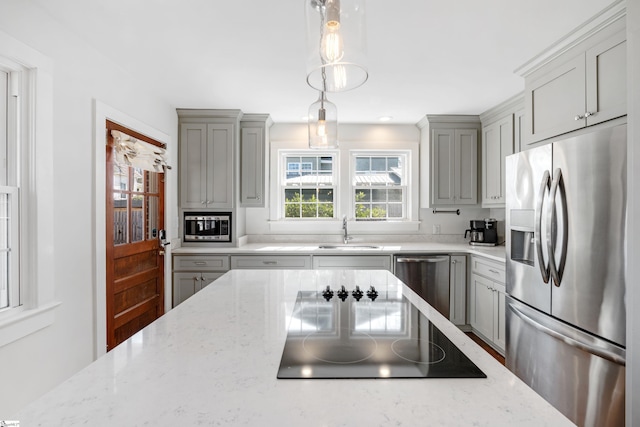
496,253
213,360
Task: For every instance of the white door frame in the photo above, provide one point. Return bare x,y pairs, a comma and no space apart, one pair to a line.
102,112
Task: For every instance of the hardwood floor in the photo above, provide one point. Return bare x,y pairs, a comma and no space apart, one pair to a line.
486,347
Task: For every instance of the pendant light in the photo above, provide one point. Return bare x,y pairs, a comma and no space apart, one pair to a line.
336,43
323,124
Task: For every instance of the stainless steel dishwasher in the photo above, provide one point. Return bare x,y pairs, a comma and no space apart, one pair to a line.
428,276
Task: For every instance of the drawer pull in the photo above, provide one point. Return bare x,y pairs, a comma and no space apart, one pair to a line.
200,262
494,271
270,262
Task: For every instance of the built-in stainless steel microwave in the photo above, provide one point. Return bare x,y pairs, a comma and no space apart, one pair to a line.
207,227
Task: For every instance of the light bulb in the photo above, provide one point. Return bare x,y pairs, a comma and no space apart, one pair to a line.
321,130
323,124
332,46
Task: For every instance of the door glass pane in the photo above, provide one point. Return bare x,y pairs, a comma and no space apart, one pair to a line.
137,218
152,182
120,177
138,180
152,216
120,219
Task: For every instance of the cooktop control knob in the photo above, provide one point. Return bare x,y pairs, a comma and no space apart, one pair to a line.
327,293
372,293
343,293
357,293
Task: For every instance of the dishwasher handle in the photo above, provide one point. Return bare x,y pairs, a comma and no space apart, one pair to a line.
422,259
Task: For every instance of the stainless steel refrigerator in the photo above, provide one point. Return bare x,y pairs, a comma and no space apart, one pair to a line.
565,229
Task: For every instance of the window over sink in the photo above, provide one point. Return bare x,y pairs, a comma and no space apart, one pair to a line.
372,184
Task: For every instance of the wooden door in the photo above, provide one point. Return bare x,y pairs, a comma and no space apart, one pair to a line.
135,259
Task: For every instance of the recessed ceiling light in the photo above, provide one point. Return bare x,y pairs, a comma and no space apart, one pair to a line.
385,118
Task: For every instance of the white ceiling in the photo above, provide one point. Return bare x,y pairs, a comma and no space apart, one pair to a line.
425,56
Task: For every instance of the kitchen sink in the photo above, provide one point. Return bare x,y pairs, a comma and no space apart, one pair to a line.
346,247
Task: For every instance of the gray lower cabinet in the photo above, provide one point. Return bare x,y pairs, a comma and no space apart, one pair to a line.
191,273
294,262
487,301
352,262
458,290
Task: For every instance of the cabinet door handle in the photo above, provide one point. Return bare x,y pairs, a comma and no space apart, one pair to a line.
578,117
589,114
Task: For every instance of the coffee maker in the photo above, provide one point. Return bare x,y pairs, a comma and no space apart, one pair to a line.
483,232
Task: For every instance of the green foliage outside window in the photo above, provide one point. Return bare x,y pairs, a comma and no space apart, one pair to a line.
364,210
310,207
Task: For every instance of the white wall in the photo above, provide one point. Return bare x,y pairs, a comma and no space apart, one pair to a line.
36,363
633,214
451,226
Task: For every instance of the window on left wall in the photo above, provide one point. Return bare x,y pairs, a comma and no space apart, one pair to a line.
9,190
26,191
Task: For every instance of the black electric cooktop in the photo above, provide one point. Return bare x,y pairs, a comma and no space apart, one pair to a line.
358,333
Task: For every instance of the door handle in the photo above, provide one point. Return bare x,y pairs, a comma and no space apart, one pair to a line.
556,271
544,185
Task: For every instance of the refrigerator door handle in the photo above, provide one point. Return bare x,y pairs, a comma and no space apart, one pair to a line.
597,351
544,268
552,227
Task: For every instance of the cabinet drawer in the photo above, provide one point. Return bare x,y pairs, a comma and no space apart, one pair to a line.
273,262
200,262
490,269
376,262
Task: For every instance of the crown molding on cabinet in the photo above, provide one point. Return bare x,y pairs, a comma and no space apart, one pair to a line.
508,106
444,118
606,17
261,118
207,113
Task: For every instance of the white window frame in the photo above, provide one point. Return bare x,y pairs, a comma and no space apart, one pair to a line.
281,175
32,120
405,185
12,249
343,201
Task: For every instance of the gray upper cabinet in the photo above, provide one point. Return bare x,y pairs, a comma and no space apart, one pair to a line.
453,165
207,153
582,85
254,130
497,143
501,134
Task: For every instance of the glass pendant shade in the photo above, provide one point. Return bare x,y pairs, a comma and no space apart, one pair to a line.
323,124
336,44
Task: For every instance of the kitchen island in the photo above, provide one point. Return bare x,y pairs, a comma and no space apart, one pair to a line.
213,360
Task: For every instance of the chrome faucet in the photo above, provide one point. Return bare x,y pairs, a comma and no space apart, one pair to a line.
346,236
